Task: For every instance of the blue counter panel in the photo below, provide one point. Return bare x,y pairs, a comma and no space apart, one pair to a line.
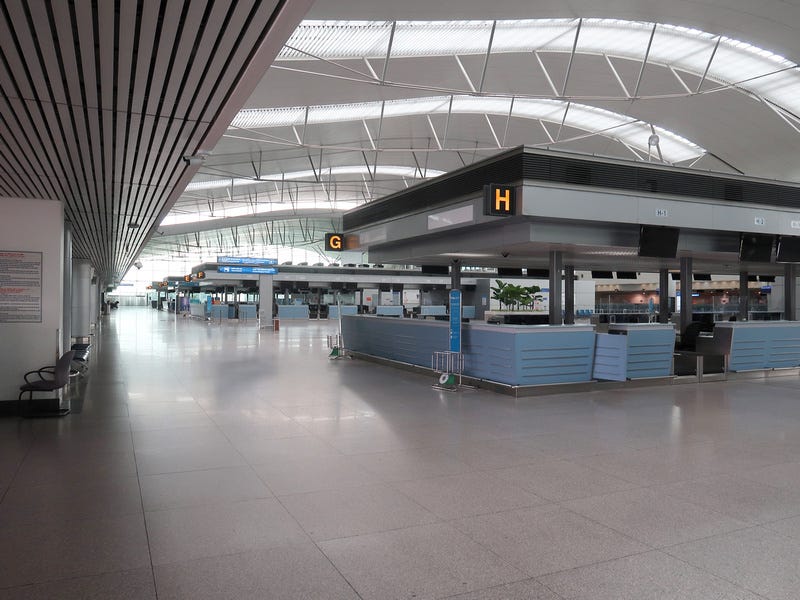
634,352
247,311
514,355
389,311
432,311
765,347
219,311
293,311
347,309
467,312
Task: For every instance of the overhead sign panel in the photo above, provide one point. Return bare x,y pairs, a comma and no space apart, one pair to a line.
499,200
247,270
334,242
245,260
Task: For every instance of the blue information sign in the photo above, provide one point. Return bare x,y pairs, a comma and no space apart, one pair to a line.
248,270
455,321
246,260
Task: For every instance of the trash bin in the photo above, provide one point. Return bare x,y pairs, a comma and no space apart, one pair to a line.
276,324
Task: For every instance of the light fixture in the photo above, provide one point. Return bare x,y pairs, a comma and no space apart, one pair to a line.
133,225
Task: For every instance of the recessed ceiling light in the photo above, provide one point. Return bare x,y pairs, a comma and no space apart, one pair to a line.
133,225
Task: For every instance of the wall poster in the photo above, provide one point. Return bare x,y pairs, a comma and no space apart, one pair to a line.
20,287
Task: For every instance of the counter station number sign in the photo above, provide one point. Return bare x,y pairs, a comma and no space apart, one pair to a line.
334,242
499,200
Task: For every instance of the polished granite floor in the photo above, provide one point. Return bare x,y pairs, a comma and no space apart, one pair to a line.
214,461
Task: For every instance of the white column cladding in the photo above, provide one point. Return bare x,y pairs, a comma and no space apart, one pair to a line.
265,301
31,225
66,335
81,298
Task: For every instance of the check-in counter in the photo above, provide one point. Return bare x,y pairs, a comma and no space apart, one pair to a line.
439,310
467,312
292,311
389,311
347,309
510,354
751,345
247,312
219,311
197,309
634,351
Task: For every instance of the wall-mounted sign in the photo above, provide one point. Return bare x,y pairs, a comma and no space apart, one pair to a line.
499,200
20,287
247,270
200,275
334,242
246,260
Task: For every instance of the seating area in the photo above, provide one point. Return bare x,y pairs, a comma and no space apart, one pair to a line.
45,379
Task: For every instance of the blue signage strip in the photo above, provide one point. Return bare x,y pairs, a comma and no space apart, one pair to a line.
247,270
455,321
246,260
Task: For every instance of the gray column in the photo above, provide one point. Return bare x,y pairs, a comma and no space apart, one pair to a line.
556,262
569,294
455,274
686,292
663,296
265,300
790,292
66,333
744,296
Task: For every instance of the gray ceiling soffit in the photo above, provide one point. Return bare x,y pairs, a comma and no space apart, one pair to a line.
99,102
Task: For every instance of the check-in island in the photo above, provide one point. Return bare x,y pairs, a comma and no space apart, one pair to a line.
752,345
634,351
515,355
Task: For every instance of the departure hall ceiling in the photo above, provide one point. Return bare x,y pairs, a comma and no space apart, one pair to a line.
368,98
364,99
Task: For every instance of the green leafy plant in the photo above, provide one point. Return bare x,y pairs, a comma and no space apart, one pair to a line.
515,296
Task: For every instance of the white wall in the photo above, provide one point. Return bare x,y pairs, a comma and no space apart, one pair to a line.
32,226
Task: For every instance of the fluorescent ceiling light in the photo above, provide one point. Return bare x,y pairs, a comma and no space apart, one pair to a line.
325,174
627,130
296,209
749,67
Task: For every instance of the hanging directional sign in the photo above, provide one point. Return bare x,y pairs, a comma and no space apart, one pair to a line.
499,200
246,260
334,242
247,270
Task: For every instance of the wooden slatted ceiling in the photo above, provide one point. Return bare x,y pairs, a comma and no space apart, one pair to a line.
101,99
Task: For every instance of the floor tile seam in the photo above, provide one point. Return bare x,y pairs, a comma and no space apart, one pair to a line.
605,526
708,572
144,519
69,578
525,578
208,504
18,468
665,548
723,512
538,578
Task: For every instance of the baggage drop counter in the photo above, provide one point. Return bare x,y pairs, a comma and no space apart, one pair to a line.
752,345
517,355
634,351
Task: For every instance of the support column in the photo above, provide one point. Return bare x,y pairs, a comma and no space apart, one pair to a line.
686,292
455,274
265,300
556,262
744,296
569,295
789,292
663,296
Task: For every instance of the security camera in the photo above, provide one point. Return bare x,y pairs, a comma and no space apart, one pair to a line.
138,264
194,161
505,254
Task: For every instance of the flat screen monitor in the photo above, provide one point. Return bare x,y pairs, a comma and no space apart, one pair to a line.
788,249
702,276
337,285
436,269
676,276
539,273
658,241
767,278
752,278
385,287
626,275
397,287
508,272
602,275
755,247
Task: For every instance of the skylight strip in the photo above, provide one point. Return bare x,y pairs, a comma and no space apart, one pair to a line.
586,118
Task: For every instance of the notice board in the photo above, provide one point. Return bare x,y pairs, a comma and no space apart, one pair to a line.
20,287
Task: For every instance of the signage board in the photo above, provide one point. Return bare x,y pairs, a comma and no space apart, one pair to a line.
246,260
499,200
247,270
455,321
334,242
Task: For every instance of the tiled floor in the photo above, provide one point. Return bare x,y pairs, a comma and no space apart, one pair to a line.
217,461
